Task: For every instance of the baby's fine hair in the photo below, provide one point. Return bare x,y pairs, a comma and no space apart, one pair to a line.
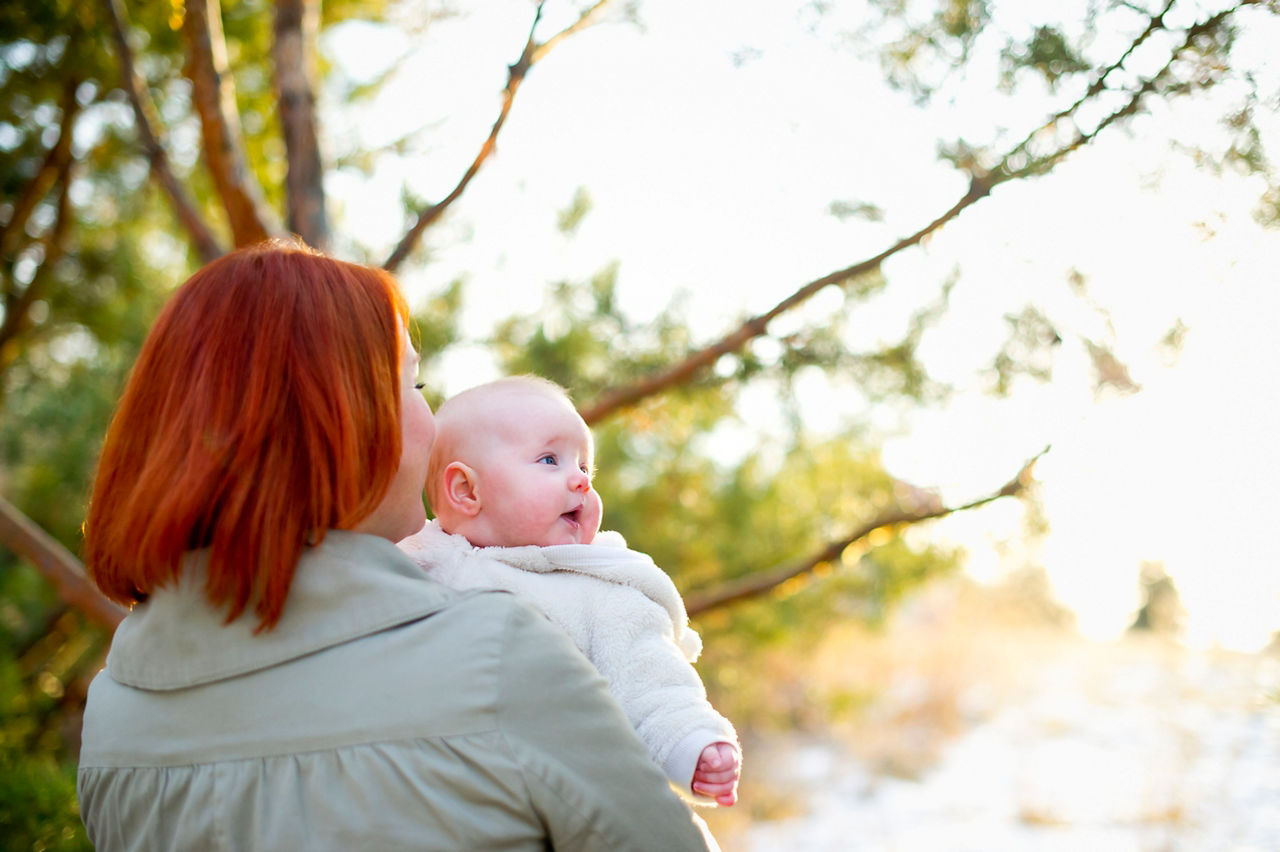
527,381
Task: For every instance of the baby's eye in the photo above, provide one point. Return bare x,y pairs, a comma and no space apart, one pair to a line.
549,458
419,385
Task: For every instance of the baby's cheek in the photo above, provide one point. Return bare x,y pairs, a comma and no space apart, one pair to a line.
594,513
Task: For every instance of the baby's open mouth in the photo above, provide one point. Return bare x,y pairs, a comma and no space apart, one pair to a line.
572,515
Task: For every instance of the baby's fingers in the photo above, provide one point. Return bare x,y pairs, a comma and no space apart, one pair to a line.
724,793
719,776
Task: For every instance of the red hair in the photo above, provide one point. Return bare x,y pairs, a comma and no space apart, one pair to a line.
263,410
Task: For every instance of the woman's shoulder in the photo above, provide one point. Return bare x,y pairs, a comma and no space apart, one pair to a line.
498,615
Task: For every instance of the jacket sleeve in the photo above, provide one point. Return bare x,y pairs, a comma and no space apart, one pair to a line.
632,644
588,776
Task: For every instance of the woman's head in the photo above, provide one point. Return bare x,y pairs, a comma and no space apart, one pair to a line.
264,408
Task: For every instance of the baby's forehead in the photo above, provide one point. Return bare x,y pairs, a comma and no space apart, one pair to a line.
516,413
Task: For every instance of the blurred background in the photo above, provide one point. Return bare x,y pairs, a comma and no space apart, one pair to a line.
928,345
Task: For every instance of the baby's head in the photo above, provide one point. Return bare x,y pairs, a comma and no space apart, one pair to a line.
511,466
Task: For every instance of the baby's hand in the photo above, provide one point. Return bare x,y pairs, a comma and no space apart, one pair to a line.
716,776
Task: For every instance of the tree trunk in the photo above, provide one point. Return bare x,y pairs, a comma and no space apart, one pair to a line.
296,25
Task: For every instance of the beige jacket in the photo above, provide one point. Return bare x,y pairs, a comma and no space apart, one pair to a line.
383,712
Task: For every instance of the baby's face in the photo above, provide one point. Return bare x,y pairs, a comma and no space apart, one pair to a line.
535,475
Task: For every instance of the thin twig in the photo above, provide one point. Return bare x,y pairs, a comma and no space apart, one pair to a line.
532,53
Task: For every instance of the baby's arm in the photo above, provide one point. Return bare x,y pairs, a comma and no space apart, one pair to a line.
658,689
716,775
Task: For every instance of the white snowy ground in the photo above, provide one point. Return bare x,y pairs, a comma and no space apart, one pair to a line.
1124,747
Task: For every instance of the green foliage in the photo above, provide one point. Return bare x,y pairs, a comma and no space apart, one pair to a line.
923,43
1268,212
49,443
38,809
938,48
1242,148
706,524
1028,350
80,280
856,210
435,328
46,654
585,342
572,216
894,371
789,623
91,289
1048,53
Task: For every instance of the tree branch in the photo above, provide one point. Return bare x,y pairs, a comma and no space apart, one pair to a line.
981,184
586,19
55,164
206,244
532,53
213,95
1043,163
296,24
905,513
16,319
17,306
21,535
757,326
1154,25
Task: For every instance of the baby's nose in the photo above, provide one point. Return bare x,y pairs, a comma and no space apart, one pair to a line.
579,481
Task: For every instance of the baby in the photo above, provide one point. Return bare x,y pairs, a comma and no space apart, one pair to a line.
510,485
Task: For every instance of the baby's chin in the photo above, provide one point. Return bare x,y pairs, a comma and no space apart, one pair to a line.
576,535
551,541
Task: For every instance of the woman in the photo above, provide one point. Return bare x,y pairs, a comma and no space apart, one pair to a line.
287,679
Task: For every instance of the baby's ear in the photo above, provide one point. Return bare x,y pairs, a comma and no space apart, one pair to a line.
462,489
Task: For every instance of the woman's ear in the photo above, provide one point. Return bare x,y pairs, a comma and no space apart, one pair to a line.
462,489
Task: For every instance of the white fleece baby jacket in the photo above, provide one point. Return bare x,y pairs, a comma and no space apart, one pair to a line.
625,615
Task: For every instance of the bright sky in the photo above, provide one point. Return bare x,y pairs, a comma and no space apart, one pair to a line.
712,144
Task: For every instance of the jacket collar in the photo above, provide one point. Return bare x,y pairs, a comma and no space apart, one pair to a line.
606,559
348,586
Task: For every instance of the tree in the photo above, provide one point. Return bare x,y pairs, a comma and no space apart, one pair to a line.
1110,93
142,139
